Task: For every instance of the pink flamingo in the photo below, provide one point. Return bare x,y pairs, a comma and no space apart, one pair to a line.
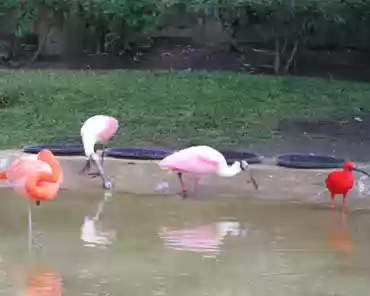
98,129
202,160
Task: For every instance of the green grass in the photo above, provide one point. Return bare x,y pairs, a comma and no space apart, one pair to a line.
168,109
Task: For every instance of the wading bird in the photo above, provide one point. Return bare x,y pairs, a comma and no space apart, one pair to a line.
202,160
97,129
341,182
35,179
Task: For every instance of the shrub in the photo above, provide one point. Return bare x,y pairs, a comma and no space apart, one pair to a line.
122,25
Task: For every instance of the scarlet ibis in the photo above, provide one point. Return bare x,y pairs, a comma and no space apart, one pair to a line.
340,182
97,129
202,160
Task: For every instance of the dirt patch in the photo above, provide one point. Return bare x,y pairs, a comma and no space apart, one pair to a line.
182,55
347,139
346,130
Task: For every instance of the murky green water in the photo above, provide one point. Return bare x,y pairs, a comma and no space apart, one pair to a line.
153,245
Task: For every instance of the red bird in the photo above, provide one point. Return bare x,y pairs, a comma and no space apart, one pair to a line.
342,182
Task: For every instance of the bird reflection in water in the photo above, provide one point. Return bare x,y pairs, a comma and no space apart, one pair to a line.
43,283
338,236
33,281
204,239
92,231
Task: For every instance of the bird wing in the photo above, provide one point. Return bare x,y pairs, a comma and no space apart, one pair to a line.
207,162
200,165
190,162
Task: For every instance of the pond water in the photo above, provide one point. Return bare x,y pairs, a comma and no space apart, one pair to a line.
118,244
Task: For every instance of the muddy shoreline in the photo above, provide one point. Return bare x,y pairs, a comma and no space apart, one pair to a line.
146,178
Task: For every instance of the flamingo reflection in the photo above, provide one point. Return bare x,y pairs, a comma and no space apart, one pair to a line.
43,283
33,281
204,239
92,231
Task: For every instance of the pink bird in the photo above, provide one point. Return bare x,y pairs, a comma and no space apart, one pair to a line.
202,160
203,239
98,129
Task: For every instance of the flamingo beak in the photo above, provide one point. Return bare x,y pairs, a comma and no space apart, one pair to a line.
361,171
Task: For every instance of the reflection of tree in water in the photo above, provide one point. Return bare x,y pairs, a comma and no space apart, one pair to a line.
92,232
204,239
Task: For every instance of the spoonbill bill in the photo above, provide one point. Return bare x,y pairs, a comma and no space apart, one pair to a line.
202,160
98,129
35,179
341,182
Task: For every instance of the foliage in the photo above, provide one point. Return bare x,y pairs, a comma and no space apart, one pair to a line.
292,22
120,25
125,20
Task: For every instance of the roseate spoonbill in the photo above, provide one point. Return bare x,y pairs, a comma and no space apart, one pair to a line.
97,129
35,179
340,182
202,160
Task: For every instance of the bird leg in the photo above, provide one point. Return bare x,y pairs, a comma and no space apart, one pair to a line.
87,166
344,204
196,188
93,157
96,174
183,187
106,183
103,154
332,200
29,228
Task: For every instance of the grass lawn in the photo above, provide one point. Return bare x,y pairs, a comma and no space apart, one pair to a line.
167,109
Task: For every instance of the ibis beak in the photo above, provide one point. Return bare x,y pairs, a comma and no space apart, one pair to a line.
252,179
361,171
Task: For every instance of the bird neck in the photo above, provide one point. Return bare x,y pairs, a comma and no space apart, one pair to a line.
229,171
89,144
56,171
348,172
